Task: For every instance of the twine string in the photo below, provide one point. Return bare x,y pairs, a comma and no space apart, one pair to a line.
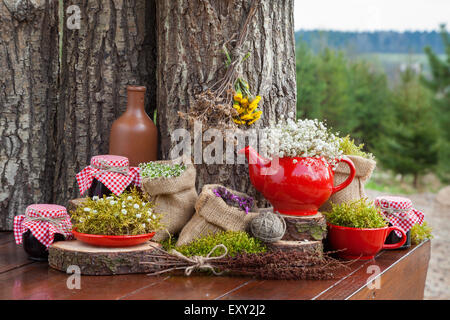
104,167
392,212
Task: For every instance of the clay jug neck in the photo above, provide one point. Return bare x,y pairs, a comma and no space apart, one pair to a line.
135,101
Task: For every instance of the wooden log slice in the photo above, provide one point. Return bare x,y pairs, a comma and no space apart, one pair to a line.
312,228
101,260
303,246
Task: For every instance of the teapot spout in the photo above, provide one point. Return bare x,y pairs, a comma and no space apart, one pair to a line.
256,166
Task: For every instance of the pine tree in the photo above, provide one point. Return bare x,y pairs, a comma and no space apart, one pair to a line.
439,83
409,141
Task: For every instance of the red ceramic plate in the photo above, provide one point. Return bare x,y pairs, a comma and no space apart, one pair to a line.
112,241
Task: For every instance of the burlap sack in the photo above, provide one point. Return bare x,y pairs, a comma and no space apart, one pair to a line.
212,214
364,168
174,198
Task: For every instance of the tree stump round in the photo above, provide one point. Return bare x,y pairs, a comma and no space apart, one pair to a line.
101,260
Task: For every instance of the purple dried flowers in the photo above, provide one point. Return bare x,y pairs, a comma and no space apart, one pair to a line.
243,203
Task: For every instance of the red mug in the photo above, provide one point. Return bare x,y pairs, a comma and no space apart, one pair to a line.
361,243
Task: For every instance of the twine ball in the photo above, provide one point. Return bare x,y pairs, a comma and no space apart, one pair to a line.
268,227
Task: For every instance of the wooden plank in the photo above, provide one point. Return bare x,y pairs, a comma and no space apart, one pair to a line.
6,237
289,289
194,287
402,274
38,281
404,280
12,256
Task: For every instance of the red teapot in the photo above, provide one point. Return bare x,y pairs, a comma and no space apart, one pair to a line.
295,186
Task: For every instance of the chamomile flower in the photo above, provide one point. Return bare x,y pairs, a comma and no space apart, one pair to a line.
136,206
87,209
138,215
124,211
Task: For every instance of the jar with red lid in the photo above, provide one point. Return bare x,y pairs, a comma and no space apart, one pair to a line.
41,225
107,175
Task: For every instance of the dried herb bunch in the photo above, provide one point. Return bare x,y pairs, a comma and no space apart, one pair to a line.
213,107
127,214
277,265
243,203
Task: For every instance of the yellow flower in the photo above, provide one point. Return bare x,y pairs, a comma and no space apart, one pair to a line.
244,102
238,121
258,115
252,107
238,97
247,116
256,100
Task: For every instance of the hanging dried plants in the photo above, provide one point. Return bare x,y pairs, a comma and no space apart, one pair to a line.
213,107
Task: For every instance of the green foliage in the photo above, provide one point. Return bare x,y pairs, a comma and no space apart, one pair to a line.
439,84
235,241
356,214
420,233
127,214
155,170
409,143
349,95
349,148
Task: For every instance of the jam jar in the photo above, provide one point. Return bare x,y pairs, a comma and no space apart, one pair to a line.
41,225
107,175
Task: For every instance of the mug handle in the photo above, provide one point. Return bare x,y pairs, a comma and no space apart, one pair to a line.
350,177
398,244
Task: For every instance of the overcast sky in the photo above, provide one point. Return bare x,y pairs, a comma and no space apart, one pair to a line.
369,15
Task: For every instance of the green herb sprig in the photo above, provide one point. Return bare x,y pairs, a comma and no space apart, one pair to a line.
155,170
356,214
127,214
237,242
349,148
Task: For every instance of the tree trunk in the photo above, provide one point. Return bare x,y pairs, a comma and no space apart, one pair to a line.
113,47
28,104
191,34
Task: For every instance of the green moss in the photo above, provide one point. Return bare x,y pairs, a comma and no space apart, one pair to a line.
349,148
356,214
315,231
127,214
155,170
235,241
420,233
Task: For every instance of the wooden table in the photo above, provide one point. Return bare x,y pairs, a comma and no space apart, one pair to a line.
402,275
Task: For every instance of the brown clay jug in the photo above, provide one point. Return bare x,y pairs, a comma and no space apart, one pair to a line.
134,135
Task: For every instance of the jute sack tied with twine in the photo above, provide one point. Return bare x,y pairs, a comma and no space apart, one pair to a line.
213,214
174,198
364,168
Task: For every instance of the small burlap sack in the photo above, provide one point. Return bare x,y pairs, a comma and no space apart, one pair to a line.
212,214
364,168
174,198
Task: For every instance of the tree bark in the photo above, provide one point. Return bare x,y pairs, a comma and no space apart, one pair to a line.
113,47
28,104
191,34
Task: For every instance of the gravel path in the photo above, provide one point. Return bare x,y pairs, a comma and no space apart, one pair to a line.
438,217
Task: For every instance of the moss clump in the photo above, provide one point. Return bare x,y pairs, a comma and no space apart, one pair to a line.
420,233
235,241
155,170
356,214
127,214
348,147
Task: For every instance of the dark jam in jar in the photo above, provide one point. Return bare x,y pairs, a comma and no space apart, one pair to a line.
98,189
37,251
393,238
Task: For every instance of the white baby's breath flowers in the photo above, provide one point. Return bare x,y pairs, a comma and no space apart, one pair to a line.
124,211
87,209
301,138
136,206
143,225
95,198
138,215
129,198
94,211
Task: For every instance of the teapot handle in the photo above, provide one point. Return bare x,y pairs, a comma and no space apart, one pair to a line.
350,177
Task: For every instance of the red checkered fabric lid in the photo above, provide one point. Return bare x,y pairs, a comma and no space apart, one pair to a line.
113,171
400,212
43,220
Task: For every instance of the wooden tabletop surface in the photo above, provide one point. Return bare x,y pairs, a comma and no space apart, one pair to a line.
402,275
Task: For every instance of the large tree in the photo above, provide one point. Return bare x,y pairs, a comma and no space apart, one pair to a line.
28,104
191,34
